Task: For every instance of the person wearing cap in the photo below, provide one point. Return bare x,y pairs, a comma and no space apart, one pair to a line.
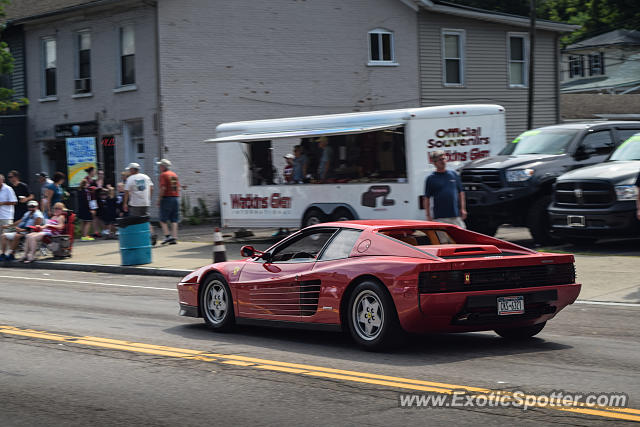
445,187
8,200
169,202
9,241
22,193
43,179
287,172
138,191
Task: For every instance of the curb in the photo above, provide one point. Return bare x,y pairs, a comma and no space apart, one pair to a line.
99,268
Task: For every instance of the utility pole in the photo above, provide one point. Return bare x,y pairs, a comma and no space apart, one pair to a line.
532,39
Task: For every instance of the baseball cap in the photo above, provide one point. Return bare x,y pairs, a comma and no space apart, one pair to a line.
32,203
289,156
133,165
164,162
42,174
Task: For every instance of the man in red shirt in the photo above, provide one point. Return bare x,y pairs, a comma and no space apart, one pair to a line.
169,202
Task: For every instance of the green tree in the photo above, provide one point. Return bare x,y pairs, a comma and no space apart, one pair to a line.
7,100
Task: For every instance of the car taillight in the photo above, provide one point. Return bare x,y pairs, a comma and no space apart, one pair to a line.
438,281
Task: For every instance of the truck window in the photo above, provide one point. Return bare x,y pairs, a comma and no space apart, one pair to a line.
629,150
599,142
624,134
550,141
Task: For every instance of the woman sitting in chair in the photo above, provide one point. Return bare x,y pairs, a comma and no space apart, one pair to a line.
53,227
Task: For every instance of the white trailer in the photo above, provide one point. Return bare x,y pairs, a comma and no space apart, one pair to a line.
378,162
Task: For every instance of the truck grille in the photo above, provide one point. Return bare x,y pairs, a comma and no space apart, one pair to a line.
496,278
584,194
489,177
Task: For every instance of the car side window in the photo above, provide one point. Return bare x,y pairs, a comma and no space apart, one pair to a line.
599,142
341,245
304,248
624,134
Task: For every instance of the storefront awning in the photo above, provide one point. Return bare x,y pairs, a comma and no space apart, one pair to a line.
304,133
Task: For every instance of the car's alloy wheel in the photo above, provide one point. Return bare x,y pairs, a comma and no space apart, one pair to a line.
371,316
216,303
368,315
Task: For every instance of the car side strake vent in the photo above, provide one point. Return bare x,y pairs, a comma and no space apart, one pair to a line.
496,278
309,294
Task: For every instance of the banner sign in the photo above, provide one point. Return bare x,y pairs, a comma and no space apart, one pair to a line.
81,154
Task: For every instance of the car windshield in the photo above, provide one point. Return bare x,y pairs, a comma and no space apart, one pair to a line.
539,141
629,150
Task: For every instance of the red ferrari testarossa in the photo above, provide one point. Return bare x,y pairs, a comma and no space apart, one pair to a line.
377,278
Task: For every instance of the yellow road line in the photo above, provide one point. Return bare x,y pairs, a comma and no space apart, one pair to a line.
309,370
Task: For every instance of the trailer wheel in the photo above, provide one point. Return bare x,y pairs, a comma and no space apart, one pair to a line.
341,214
312,217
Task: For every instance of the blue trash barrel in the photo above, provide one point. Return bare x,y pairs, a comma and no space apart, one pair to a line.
135,240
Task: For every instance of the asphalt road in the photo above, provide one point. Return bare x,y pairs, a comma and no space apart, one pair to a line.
99,349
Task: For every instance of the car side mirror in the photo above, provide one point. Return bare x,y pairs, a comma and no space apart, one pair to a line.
247,251
581,153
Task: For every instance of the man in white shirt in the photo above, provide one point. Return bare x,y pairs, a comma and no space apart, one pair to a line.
138,190
8,200
9,241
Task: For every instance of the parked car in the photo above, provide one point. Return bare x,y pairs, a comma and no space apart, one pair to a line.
599,201
515,187
378,278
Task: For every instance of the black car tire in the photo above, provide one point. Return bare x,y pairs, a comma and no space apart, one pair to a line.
521,333
341,214
371,337
482,225
215,291
538,221
313,217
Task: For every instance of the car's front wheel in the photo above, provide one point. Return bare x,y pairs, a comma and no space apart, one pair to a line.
372,318
216,303
522,333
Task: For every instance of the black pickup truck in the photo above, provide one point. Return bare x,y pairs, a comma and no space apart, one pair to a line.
599,201
515,187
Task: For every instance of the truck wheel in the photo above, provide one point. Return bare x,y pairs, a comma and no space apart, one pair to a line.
482,225
313,217
521,333
538,221
341,214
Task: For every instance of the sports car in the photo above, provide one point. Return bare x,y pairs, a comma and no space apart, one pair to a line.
377,279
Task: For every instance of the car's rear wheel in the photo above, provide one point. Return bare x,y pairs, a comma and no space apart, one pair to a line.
522,333
216,303
372,318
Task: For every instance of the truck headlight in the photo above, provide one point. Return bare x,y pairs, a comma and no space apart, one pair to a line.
626,192
519,175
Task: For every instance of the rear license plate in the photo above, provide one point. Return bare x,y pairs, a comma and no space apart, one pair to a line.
510,305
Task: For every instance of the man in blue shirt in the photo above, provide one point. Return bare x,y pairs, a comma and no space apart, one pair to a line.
445,187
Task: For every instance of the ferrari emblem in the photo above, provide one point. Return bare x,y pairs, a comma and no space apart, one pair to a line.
467,278
235,270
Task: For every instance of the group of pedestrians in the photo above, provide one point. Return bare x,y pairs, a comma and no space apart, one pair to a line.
21,218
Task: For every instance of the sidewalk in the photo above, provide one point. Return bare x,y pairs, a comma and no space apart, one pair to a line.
604,277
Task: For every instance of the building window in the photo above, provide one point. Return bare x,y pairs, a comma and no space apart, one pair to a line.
127,56
596,64
576,66
452,57
381,49
83,62
518,62
49,69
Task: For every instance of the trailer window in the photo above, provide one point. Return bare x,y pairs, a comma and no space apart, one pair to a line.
260,163
366,157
